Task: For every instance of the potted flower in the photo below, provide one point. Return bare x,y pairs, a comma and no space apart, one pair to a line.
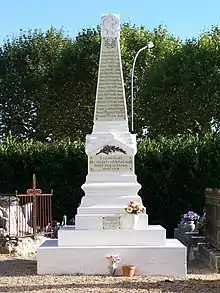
113,260
134,209
190,218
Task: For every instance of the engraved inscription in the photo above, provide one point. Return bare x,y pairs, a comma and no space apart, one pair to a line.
110,100
111,223
111,163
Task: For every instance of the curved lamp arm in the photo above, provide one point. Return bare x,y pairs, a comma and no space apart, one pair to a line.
148,46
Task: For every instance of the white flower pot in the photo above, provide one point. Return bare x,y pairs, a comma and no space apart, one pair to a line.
129,221
190,226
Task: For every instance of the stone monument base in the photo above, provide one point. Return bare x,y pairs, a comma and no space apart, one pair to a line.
84,252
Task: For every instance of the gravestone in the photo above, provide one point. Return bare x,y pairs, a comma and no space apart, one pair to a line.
190,240
14,218
210,251
101,225
212,231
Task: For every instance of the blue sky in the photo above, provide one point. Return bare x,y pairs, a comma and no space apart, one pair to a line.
184,18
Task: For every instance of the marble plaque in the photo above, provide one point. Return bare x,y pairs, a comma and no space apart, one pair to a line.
111,163
111,223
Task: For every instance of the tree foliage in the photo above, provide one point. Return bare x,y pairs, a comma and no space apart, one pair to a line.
48,80
27,65
181,93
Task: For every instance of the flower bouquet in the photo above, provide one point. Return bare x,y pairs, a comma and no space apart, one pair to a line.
113,260
134,208
191,216
189,220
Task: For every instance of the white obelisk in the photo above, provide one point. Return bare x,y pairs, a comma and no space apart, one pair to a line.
111,182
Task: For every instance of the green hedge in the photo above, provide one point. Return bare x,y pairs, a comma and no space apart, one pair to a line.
173,173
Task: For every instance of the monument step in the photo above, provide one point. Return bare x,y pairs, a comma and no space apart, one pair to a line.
109,200
111,177
118,127
94,221
111,184
119,135
167,260
102,209
110,188
154,235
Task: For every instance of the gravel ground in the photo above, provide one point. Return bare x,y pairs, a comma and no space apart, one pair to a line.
19,275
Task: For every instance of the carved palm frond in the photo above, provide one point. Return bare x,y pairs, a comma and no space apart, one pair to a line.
109,149
110,43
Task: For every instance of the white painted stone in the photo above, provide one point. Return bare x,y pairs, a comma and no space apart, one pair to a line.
141,224
167,260
153,235
110,96
111,181
110,185
94,221
110,26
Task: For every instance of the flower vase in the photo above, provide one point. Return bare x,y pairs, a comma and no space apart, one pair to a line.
134,221
112,268
190,226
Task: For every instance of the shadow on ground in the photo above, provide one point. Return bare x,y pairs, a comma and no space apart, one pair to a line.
183,286
18,267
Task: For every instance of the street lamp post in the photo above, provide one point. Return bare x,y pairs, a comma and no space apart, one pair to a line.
148,46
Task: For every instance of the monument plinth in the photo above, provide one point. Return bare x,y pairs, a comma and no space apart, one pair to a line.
102,227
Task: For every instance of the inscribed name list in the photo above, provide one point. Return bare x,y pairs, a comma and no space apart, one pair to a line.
111,223
110,92
116,163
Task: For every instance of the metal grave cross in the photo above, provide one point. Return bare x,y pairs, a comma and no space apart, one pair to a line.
34,192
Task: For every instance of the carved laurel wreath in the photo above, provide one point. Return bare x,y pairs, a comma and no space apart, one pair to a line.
110,43
108,149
